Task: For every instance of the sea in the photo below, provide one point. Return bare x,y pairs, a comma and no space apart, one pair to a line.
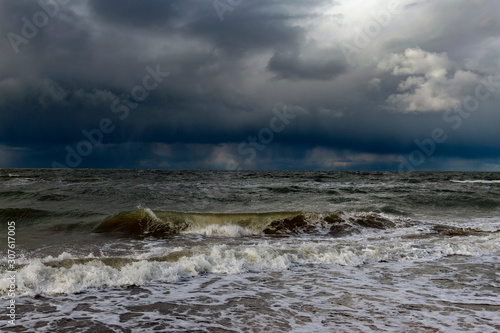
249,251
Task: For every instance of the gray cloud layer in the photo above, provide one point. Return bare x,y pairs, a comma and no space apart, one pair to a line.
365,86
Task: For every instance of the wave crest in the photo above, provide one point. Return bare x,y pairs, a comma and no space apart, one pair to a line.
144,222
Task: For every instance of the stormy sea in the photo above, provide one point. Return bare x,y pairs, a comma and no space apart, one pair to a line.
249,251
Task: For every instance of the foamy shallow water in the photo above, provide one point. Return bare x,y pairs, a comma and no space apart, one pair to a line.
160,261
375,281
455,293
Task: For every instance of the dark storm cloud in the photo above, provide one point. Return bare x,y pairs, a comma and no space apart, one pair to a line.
249,29
226,77
291,66
138,13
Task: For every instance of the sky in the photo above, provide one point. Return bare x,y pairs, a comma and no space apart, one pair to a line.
250,84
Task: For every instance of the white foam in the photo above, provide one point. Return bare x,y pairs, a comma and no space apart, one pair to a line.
480,181
220,230
171,264
389,297
17,181
150,214
491,224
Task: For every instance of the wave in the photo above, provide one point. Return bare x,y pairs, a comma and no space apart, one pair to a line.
34,216
288,189
9,176
28,214
448,230
453,200
14,194
144,222
69,274
479,181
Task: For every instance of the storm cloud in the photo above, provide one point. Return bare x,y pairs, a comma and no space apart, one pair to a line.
252,84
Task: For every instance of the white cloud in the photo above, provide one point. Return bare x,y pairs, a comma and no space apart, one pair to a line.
428,86
417,61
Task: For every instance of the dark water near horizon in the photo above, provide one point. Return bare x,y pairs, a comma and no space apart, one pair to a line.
250,251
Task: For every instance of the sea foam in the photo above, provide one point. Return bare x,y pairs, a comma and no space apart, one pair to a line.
69,274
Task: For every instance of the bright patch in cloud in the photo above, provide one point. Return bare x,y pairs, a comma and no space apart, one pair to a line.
428,86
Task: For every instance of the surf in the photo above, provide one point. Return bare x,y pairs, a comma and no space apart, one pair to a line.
144,222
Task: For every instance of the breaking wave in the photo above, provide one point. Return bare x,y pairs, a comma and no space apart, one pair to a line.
66,273
144,222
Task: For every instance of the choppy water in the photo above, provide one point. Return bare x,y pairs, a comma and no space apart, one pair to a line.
217,251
